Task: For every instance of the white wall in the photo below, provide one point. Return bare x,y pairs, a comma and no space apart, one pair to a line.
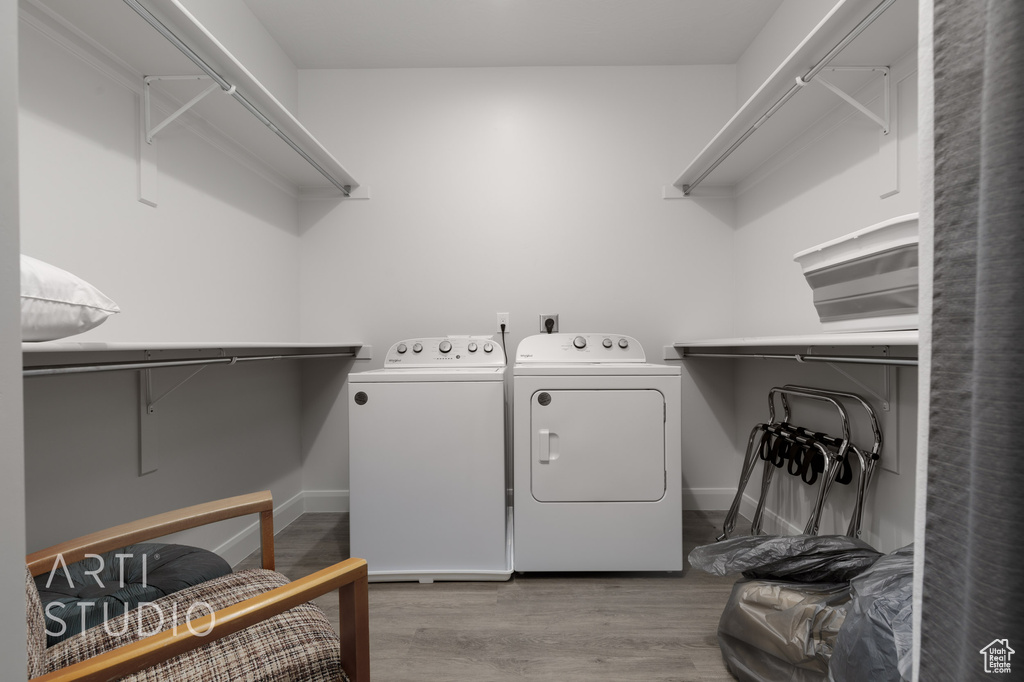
229,431
519,190
217,260
790,24
12,459
242,34
822,187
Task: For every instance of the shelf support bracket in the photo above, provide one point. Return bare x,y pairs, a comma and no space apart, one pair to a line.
885,398
152,130
151,401
148,440
148,173
882,121
148,437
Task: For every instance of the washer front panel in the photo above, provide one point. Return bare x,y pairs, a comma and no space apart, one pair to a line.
425,374
427,479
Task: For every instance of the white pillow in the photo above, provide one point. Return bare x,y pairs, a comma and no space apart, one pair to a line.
55,303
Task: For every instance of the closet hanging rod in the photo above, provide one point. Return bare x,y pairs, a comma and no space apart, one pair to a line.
796,87
153,21
121,366
805,357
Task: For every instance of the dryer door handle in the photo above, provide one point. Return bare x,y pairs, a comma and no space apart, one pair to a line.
544,446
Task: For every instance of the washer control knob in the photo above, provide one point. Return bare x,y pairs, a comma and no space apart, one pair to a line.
607,343
488,347
579,342
417,347
445,346
472,347
402,348
623,343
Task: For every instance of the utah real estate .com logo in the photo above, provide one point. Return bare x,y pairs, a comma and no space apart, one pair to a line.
997,656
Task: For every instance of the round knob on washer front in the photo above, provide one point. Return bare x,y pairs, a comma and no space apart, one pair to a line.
607,343
402,348
623,343
579,342
417,347
445,346
488,347
472,347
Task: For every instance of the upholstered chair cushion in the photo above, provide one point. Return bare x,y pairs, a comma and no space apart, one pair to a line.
36,628
299,644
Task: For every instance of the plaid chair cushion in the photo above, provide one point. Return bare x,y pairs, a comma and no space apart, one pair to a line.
299,644
36,628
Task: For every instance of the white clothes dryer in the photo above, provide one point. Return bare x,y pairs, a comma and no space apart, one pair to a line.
596,456
427,462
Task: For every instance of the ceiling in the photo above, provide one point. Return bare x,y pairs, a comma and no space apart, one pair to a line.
333,34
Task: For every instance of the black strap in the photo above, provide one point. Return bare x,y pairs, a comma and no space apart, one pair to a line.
780,451
814,465
797,455
845,474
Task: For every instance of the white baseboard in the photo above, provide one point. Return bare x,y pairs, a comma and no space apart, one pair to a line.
707,499
247,541
244,543
325,501
771,523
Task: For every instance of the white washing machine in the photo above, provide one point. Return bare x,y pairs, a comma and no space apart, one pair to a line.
427,462
596,456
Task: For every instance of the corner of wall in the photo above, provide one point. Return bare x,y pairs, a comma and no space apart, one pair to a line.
792,21
12,457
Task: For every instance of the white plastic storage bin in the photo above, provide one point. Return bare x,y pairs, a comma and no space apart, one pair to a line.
866,280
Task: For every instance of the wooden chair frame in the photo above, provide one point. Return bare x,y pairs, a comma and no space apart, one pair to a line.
349,577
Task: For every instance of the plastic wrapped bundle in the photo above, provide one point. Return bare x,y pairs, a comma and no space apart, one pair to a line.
774,630
876,641
781,623
801,558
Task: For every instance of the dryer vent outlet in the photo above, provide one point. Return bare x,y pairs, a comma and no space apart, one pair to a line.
548,324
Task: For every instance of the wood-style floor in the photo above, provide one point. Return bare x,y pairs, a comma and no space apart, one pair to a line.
559,627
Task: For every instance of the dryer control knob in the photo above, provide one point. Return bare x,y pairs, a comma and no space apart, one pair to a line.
488,347
579,342
445,346
472,347
607,343
417,347
623,343
402,348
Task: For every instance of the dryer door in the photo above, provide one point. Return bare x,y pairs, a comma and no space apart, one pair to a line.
598,446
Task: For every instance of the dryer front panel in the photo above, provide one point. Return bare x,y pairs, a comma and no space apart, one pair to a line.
598,445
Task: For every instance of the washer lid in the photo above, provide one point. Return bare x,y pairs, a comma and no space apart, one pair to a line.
579,348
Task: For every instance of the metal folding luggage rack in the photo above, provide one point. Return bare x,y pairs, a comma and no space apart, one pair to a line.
811,455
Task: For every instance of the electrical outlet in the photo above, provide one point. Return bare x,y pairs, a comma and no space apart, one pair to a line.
502,320
545,320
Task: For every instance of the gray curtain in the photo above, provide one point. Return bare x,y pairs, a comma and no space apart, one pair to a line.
973,587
